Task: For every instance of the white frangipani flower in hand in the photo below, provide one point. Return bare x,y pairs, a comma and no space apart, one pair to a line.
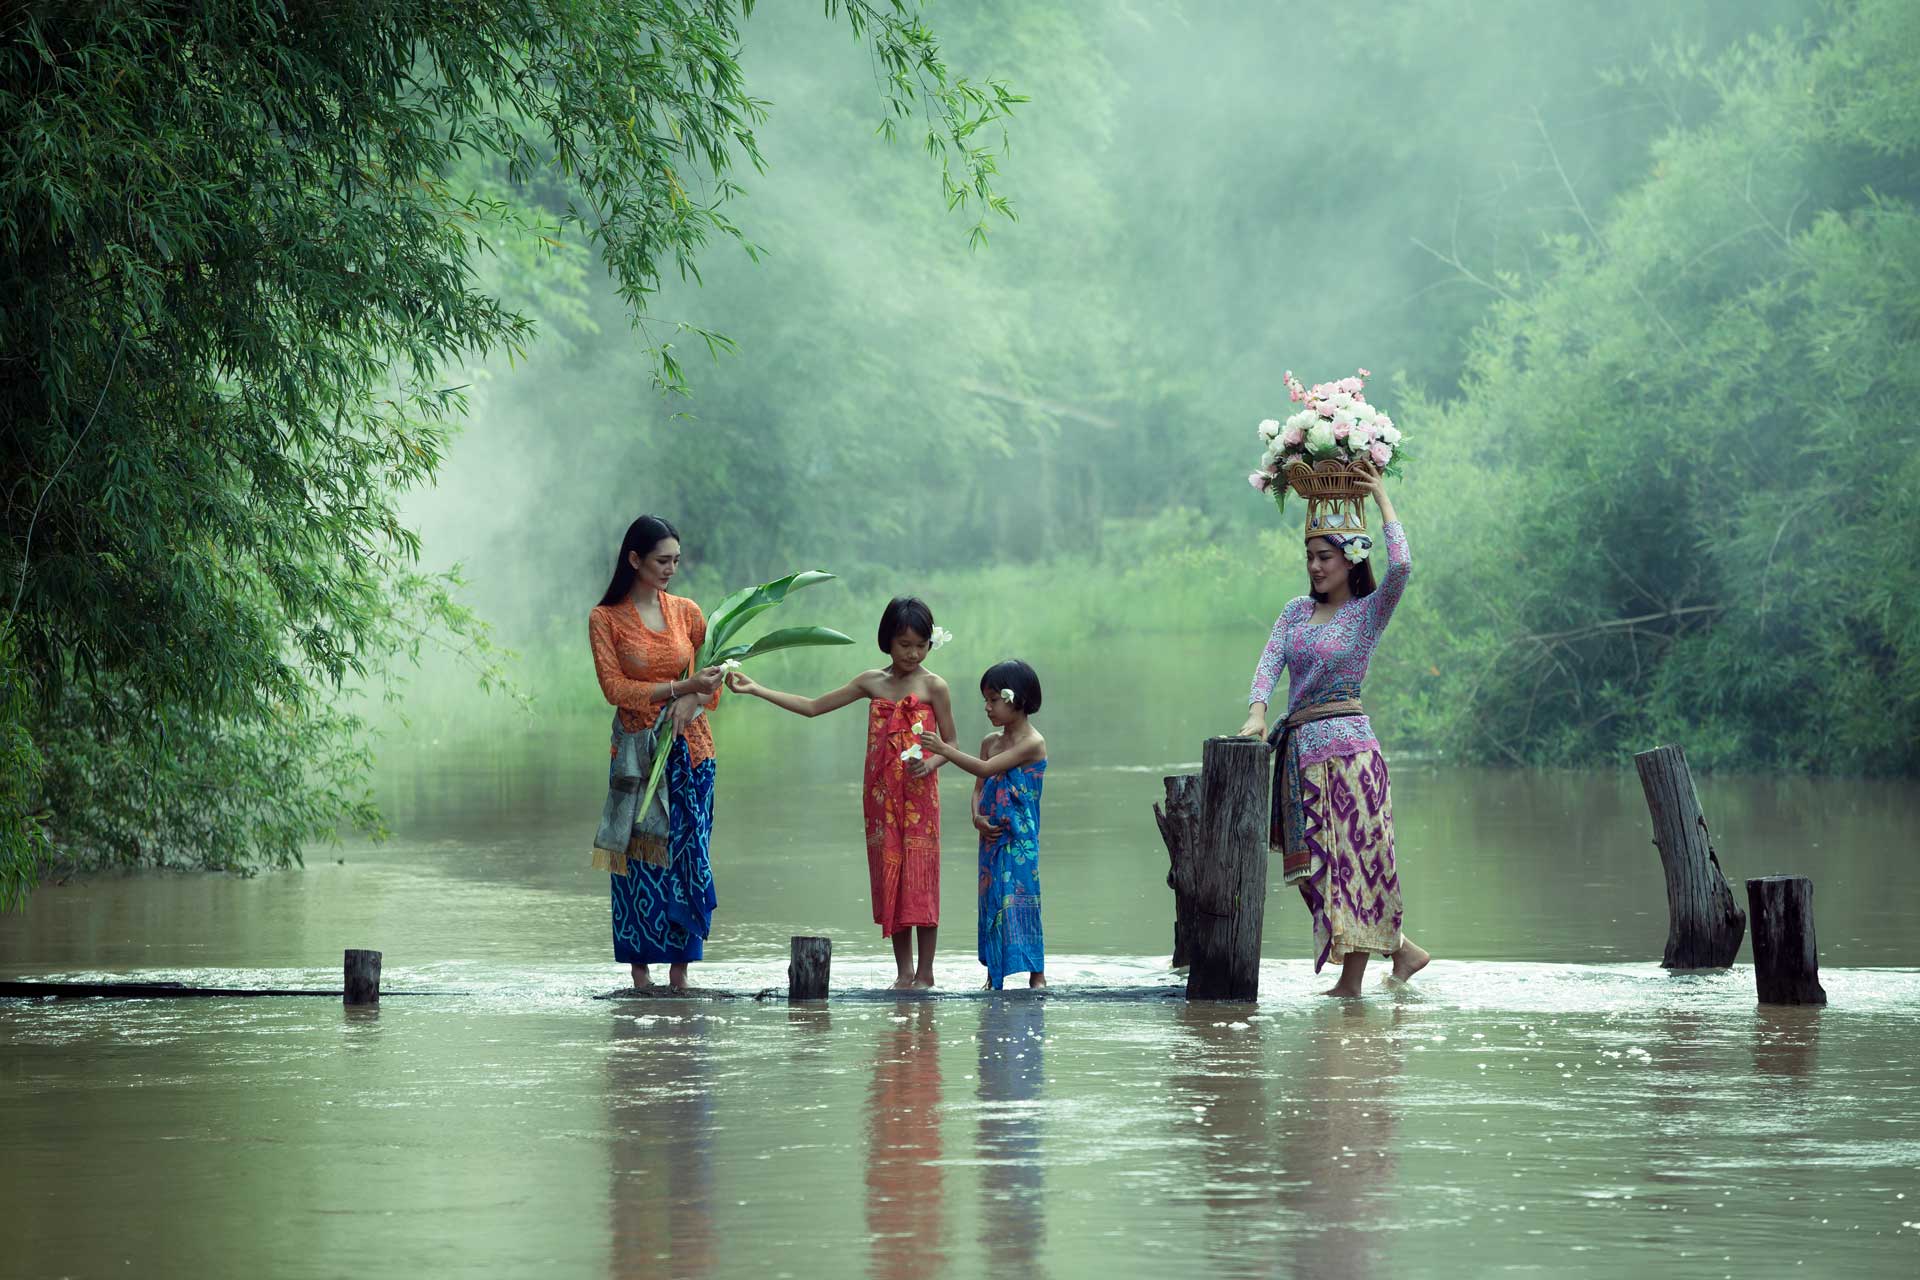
916,751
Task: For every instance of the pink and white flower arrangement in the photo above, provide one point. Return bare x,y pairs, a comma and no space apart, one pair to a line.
1334,423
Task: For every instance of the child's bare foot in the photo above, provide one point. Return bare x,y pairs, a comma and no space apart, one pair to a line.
923,981
904,982
1342,990
1408,960
1036,980
677,977
641,980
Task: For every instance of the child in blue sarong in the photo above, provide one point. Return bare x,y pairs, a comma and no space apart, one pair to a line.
1006,811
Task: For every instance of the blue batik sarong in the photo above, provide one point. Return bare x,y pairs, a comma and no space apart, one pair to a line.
1010,936
661,915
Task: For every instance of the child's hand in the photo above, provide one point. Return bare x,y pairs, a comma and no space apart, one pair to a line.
986,828
741,682
931,742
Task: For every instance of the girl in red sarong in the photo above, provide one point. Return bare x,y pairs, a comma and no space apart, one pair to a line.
901,795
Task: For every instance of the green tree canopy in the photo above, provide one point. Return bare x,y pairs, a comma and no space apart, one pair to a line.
1677,492
240,245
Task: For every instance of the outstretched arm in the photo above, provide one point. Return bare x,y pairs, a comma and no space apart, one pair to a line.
1013,758
850,692
981,823
1393,583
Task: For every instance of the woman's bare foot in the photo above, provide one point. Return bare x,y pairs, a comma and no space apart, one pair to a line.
641,980
904,982
677,977
923,981
1408,960
1353,970
1036,980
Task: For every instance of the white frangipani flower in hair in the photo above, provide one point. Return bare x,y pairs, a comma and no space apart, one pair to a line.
1007,694
940,636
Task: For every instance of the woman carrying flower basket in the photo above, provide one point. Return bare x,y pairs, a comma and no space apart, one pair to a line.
1332,821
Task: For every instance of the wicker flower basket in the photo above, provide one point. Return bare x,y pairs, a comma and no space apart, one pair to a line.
1329,479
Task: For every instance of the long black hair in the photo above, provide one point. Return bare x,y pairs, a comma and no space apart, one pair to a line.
1359,579
643,535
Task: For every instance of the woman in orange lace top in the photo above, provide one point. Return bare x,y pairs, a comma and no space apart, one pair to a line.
644,642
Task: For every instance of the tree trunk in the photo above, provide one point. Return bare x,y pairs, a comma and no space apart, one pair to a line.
807,972
1229,877
1786,960
1180,828
1704,923
363,977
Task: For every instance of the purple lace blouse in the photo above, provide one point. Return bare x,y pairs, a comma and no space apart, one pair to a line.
1330,659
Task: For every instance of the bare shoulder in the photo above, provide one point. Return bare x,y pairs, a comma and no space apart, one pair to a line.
989,746
1039,743
869,681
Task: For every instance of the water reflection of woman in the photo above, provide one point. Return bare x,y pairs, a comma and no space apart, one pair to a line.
1340,1146
1332,818
1012,1178
905,1219
644,642
661,1112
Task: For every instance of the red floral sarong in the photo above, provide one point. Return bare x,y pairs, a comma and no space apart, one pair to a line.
903,819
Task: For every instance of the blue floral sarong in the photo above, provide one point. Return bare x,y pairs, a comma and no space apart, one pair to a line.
1010,936
662,915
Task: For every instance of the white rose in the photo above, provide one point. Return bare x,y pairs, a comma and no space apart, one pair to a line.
1269,428
1320,438
1390,433
1303,420
1341,402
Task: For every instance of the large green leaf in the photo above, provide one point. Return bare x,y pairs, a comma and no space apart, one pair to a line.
795,638
741,608
734,613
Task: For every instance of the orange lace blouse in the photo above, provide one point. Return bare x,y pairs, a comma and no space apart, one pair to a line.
632,660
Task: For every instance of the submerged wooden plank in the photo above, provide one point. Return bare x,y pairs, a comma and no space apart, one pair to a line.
170,991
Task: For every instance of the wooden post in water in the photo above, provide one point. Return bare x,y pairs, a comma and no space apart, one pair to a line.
1228,876
1704,923
807,971
1786,961
1180,828
363,977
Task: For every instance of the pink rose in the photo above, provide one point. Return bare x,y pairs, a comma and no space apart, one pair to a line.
1341,426
1259,480
1292,437
1382,452
1365,374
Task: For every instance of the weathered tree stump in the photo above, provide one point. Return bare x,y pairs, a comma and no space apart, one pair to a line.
363,977
1180,828
1786,960
1704,923
807,971
1228,874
